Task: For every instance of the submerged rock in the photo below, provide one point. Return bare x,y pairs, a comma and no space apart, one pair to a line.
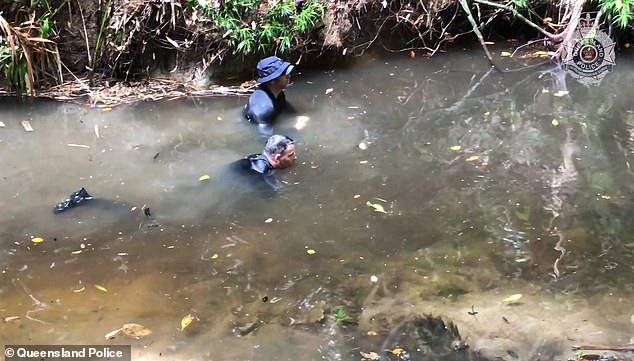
427,338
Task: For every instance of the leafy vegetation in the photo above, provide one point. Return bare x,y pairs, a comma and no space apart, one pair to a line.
261,26
341,316
26,53
620,11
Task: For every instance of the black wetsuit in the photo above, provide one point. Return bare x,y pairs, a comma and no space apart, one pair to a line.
259,172
263,108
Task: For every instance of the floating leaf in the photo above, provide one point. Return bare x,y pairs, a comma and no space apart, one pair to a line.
455,148
329,90
377,207
561,93
370,355
472,158
76,252
363,162
203,178
555,122
545,91
311,251
26,124
10,319
489,43
374,279
397,351
372,333
268,220
513,298
106,109
214,256
301,121
505,53
187,320
101,288
37,240
112,334
135,330
81,289
356,196
541,53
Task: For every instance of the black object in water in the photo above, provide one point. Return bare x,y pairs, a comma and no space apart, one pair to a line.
73,200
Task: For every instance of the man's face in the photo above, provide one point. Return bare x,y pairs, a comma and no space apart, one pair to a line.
282,81
287,158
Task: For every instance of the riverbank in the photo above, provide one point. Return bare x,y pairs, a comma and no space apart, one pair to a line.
93,44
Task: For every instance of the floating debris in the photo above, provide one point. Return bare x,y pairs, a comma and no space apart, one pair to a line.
26,124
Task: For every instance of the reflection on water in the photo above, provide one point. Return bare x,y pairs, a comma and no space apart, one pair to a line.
491,185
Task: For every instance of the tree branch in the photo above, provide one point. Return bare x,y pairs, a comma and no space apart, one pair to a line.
466,9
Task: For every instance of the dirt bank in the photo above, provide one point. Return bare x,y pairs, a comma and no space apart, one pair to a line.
71,40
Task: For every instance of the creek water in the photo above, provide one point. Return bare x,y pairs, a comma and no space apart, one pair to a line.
422,186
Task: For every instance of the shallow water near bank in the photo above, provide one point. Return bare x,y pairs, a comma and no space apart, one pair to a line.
490,184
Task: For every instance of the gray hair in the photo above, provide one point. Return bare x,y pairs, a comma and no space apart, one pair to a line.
277,144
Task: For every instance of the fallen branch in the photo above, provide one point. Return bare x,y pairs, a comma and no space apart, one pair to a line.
549,35
465,7
629,347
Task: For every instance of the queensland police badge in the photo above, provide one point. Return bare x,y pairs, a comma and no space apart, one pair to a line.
589,55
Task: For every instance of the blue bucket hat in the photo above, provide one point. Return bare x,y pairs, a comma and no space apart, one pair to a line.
272,67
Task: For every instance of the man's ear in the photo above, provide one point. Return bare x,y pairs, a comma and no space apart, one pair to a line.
277,158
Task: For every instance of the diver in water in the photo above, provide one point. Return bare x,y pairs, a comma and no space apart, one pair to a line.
269,100
278,153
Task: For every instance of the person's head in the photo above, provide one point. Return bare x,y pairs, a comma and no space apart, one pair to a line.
274,72
280,151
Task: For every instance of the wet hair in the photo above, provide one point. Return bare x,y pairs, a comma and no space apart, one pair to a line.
277,144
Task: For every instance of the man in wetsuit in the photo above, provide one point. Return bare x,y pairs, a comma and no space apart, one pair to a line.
278,153
268,100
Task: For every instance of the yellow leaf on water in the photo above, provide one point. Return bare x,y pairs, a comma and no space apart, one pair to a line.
513,298
363,162
77,290
489,43
101,288
356,196
505,53
455,148
472,158
37,240
377,207
311,251
186,321
397,351
203,178
540,53
214,256
561,93
106,109
555,122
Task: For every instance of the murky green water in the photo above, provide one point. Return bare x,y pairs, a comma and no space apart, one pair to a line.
492,185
